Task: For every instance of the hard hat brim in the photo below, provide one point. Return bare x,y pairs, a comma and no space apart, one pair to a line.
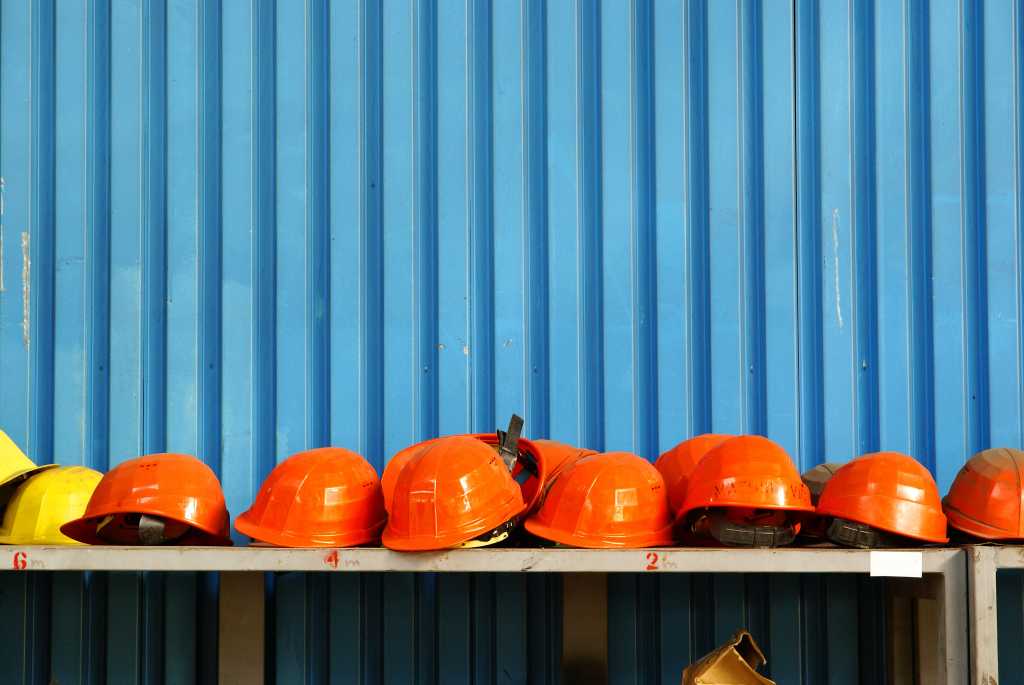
966,524
423,543
84,529
283,539
928,518
658,538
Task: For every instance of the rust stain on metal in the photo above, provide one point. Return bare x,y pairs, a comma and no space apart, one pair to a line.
26,288
529,562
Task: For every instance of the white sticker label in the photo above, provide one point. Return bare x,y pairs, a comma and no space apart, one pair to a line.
896,564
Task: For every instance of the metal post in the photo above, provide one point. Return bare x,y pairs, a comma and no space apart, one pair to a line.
983,608
952,623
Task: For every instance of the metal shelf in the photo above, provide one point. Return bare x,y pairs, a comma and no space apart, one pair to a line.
941,635
663,559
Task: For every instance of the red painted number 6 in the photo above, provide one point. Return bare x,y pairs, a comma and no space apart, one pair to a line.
652,561
20,561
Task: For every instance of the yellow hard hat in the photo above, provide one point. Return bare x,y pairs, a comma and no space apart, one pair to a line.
14,466
45,502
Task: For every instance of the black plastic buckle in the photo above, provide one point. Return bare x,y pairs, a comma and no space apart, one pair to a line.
508,441
741,535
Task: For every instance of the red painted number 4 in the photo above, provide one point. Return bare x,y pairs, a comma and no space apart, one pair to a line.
20,561
652,561
332,559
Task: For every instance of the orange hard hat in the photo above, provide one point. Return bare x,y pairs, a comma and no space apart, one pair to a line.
327,497
454,490
745,492
533,463
403,456
616,499
676,464
881,494
986,498
749,471
155,499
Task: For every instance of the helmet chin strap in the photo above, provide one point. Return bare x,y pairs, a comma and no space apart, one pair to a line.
508,441
151,530
853,534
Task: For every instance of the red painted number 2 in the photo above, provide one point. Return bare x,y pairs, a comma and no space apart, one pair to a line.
652,561
331,559
20,561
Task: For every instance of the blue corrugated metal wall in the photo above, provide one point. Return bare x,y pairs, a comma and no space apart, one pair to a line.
241,229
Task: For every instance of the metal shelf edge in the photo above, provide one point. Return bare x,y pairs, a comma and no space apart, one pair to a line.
665,559
1005,556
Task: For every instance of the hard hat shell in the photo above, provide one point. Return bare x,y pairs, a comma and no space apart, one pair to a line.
45,502
888,491
986,497
749,471
327,497
395,465
611,500
15,467
174,487
677,463
531,478
454,490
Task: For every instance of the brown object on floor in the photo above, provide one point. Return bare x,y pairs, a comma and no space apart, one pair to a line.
733,663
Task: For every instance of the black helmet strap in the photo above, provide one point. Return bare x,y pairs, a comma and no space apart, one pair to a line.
853,534
508,441
743,535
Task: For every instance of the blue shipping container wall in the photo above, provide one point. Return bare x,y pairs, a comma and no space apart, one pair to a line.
242,229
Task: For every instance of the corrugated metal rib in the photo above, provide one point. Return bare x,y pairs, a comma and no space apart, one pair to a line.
695,198
425,221
241,231
535,197
751,200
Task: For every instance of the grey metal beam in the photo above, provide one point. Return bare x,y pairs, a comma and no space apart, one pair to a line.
662,560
